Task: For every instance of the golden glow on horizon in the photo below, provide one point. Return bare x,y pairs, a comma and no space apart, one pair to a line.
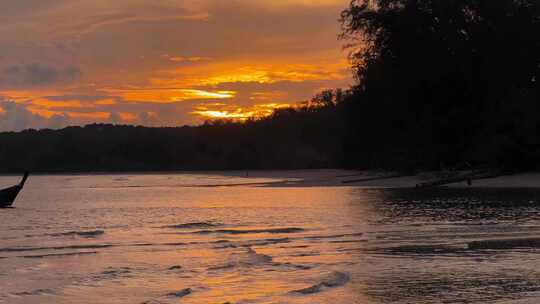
168,95
226,114
185,59
216,73
242,114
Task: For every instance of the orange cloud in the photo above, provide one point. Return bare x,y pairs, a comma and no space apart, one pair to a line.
184,59
43,112
108,101
239,113
167,95
268,96
226,72
90,115
128,117
58,104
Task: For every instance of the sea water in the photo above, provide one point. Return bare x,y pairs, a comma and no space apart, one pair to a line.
206,238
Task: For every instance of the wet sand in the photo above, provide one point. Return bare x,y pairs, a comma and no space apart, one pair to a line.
376,179
339,178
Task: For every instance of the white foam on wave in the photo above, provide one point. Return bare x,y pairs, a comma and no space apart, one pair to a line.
248,259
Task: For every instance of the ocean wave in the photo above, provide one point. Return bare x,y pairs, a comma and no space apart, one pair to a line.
347,241
335,279
57,255
116,271
141,245
333,236
173,244
504,244
266,242
292,266
35,292
173,296
422,249
255,258
193,225
223,244
113,273
248,259
219,242
306,254
252,231
180,294
85,234
23,249
295,247
88,246
222,267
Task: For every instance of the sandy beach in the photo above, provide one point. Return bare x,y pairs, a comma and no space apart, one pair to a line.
380,179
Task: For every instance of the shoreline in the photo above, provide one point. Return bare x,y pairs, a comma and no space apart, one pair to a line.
331,178
383,179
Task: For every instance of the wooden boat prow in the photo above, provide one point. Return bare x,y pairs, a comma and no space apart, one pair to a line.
8,195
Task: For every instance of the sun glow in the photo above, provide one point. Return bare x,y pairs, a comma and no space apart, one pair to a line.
168,95
226,114
215,73
239,113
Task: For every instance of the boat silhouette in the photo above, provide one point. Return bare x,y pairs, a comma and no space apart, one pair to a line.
8,195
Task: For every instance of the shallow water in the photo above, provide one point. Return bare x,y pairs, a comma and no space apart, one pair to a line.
173,238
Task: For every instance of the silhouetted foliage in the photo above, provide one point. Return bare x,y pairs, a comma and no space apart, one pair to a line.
305,137
444,81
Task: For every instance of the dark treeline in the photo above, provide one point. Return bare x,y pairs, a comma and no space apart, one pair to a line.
306,137
440,83
444,82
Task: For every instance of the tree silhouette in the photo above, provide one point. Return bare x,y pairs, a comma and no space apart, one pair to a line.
443,80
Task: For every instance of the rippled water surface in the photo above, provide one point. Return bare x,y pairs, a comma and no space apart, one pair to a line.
185,239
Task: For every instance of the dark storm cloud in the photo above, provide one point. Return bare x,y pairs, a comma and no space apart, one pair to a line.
16,117
37,74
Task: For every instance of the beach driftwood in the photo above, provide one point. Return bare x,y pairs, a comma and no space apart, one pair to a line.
469,177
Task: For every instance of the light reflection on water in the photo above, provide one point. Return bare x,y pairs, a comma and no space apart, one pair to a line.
151,239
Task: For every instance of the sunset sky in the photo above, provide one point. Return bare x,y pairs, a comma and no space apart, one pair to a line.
163,63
